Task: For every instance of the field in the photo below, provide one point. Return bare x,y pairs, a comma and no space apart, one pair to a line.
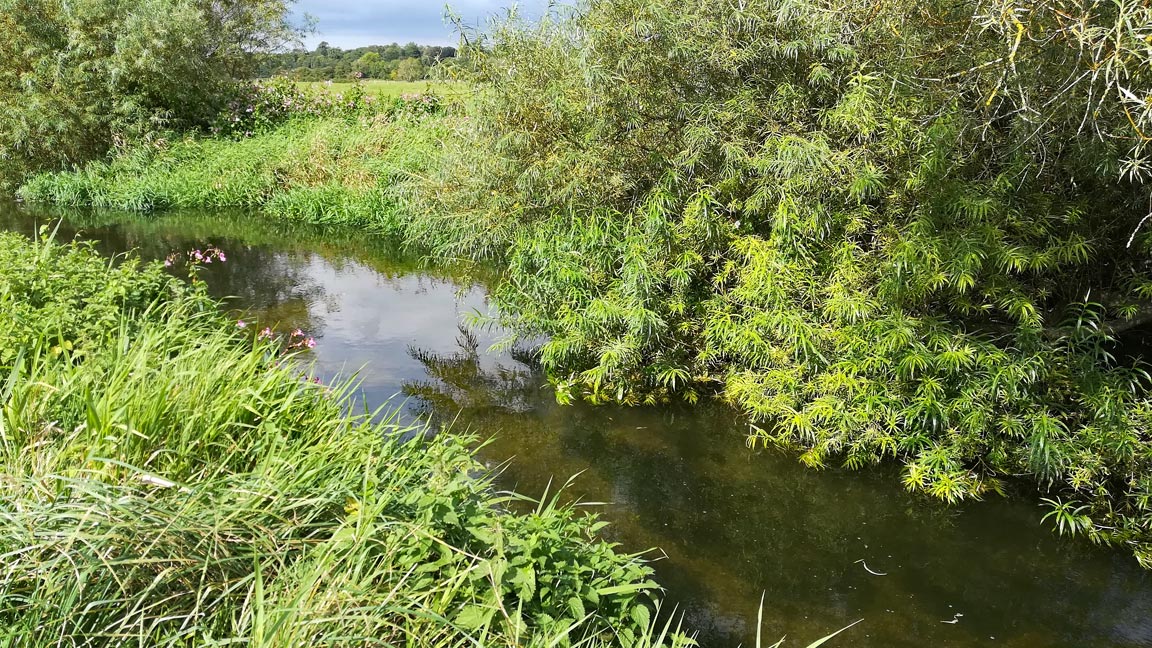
386,88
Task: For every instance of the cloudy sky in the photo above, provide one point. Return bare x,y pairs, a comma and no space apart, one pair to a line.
355,23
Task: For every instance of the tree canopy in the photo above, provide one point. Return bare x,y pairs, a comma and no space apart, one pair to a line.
895,228
372,62
79,77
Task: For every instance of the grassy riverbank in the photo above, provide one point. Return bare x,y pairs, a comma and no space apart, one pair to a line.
170,480
322,170
873,259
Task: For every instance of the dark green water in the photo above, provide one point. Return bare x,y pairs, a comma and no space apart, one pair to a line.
732,523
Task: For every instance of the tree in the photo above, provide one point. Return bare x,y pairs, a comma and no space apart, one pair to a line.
411,69
370,65
903,228
76,78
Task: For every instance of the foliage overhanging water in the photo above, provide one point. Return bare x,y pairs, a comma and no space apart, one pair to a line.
733,522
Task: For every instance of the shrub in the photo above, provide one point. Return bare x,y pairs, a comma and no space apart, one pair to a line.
78,79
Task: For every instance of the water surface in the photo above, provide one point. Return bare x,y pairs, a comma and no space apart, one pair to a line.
730,524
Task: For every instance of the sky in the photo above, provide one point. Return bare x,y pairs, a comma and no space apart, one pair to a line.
355,23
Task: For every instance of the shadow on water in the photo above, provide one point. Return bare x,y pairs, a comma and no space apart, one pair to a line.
730,523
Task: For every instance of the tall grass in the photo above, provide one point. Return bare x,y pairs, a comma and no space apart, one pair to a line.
170,481
387,88
318,170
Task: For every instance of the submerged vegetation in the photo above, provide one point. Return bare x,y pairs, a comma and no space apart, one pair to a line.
171,480
910,230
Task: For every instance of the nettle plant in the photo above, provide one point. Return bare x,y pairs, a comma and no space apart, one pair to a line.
896,229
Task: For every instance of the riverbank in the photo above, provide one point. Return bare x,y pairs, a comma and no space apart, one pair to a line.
320,170
173,477
382,171
868,267
678,478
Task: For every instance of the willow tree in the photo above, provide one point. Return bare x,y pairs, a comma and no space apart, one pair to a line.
908,229
79,77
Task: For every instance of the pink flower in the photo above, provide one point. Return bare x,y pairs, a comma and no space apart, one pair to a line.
297,333
241,324
266,333
310,343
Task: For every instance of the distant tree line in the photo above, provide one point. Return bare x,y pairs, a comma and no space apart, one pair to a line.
409,62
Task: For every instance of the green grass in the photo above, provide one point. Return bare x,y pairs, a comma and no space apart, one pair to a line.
169,480
387,88
317,170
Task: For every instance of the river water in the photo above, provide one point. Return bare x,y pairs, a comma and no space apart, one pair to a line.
729,524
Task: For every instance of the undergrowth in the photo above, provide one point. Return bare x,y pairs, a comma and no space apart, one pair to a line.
910,231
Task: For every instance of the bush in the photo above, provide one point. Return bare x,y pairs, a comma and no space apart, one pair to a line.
262,105
78,79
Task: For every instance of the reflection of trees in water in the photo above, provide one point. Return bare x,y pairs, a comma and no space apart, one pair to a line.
736,523
460,384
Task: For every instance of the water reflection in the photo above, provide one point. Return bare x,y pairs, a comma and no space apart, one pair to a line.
733,523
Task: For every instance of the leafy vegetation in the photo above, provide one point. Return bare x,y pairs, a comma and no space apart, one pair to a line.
896,229
387,88
80,78
336,159
910,230
409,62
169,479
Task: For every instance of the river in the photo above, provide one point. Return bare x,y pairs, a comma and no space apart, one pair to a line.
728,524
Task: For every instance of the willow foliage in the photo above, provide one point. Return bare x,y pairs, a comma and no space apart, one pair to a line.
80,77
884,229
